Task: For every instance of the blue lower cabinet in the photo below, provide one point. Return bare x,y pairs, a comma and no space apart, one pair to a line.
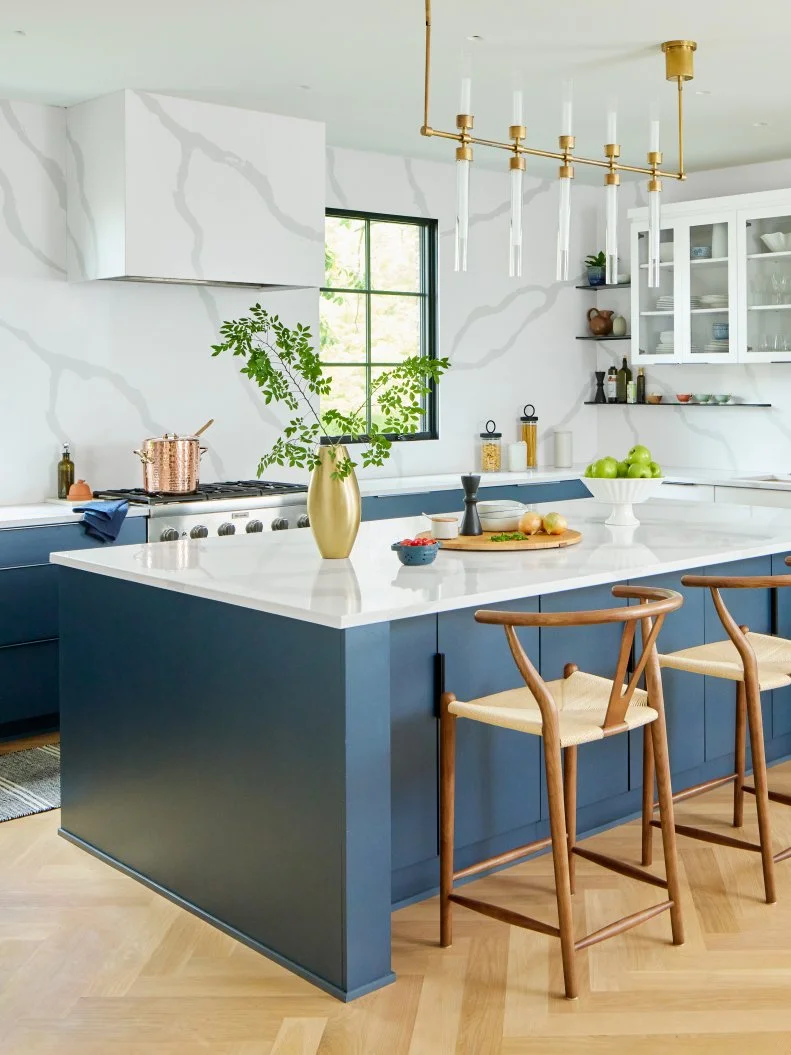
684,693
413,741
384,507
752,608
497,770
21,547
28,604
28,681
603,767
781,698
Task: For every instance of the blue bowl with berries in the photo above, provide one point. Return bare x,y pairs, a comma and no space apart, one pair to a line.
414,551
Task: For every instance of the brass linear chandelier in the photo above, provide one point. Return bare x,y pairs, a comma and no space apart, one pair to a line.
678,68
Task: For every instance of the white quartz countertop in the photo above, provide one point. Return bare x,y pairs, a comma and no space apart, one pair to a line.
282,572
40,514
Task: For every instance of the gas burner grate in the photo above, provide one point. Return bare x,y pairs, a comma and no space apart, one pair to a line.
205,493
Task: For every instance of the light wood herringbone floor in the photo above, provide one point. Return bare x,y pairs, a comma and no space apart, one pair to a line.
91,963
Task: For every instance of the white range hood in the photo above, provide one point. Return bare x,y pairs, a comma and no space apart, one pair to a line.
171,190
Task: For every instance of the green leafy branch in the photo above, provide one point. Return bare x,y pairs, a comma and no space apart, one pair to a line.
286,368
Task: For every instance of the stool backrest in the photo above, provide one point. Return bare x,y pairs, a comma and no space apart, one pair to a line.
654,605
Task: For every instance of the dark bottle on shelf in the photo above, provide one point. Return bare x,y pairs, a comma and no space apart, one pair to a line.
65,472
612,385
624,377
641,385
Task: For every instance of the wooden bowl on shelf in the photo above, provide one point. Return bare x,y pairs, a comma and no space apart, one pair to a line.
654,398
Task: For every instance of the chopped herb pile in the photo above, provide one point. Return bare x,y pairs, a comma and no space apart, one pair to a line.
514,536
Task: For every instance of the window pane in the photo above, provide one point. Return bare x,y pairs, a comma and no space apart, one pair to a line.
344,253
342,327
348,392
418,424
395,256
395,328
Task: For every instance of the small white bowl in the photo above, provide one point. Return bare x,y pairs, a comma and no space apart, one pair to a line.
504,505
443,525
622,493
500,523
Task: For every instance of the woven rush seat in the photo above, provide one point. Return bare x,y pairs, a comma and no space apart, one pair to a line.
721,659
581,700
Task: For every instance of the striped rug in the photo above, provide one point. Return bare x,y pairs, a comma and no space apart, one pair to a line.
29,782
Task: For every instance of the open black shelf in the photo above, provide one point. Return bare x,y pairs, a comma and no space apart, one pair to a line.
591,403
626,337
612,285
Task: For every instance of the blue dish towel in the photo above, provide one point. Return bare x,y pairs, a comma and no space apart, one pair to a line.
103,520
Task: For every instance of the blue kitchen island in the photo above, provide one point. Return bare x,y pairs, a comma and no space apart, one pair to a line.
252,731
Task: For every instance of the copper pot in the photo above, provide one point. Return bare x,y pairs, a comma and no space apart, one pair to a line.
171,463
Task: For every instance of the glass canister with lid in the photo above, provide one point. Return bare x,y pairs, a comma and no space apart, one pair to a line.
491,448
529,423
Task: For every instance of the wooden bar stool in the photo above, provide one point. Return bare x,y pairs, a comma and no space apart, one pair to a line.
757,663
577,709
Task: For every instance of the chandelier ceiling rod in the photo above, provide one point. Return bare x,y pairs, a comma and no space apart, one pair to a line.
678,67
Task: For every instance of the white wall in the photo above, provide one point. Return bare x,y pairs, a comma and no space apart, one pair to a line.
105,364
742,439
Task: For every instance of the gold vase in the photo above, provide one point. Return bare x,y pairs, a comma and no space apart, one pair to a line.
333,505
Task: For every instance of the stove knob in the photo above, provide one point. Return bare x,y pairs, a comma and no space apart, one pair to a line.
169,535
254,527
226,529
303,521
280,524
199,532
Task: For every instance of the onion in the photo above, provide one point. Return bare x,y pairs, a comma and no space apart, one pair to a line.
555,524
530,522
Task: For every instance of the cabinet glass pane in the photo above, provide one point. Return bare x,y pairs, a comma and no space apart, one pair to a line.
708,290
657,305
768,241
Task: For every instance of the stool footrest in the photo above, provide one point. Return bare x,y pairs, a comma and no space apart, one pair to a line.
698,789
783,855
504,915
503,859
774,796
624,869
620,925
713,837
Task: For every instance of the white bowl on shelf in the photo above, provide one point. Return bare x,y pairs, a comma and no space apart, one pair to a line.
622,494
775,242
500,515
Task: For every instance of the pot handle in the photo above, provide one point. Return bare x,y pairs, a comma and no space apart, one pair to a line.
144,458
202,451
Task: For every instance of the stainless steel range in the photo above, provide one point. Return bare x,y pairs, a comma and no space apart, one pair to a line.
238,507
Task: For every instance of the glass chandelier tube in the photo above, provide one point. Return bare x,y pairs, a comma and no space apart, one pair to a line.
517,178
654,228
564,229
611,234
462,212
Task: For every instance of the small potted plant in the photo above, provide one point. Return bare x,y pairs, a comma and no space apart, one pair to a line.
596,266
287,369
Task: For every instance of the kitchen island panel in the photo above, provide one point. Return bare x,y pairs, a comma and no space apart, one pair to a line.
781,698
237,762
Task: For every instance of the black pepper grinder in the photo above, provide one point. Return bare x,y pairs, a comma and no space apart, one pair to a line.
600,396
471,523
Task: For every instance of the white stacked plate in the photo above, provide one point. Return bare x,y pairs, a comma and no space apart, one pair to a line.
716,346
664,303
714,300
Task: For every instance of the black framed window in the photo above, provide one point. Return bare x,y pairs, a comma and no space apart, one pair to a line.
378,305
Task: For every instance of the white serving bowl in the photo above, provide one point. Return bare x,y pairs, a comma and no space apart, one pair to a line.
622,494
500,521
775,242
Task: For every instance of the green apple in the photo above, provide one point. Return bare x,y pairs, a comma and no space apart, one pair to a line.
623,469
638,454
590,471
656,470
639,471
606,468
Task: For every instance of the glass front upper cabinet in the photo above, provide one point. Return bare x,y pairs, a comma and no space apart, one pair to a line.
710,292
765,259
656,336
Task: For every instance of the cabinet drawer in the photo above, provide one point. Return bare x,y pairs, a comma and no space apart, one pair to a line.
21,547
28,604
28,681
752,496
687,492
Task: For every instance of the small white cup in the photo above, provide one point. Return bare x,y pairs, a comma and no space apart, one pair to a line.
443,526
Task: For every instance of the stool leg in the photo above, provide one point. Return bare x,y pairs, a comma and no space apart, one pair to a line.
560,859
570,802
662,762
648,797
740,751
447,803
752,697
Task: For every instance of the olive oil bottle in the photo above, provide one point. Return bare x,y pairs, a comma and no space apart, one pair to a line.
623,379
65,473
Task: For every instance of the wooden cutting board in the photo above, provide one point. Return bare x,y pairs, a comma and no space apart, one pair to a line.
483,543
